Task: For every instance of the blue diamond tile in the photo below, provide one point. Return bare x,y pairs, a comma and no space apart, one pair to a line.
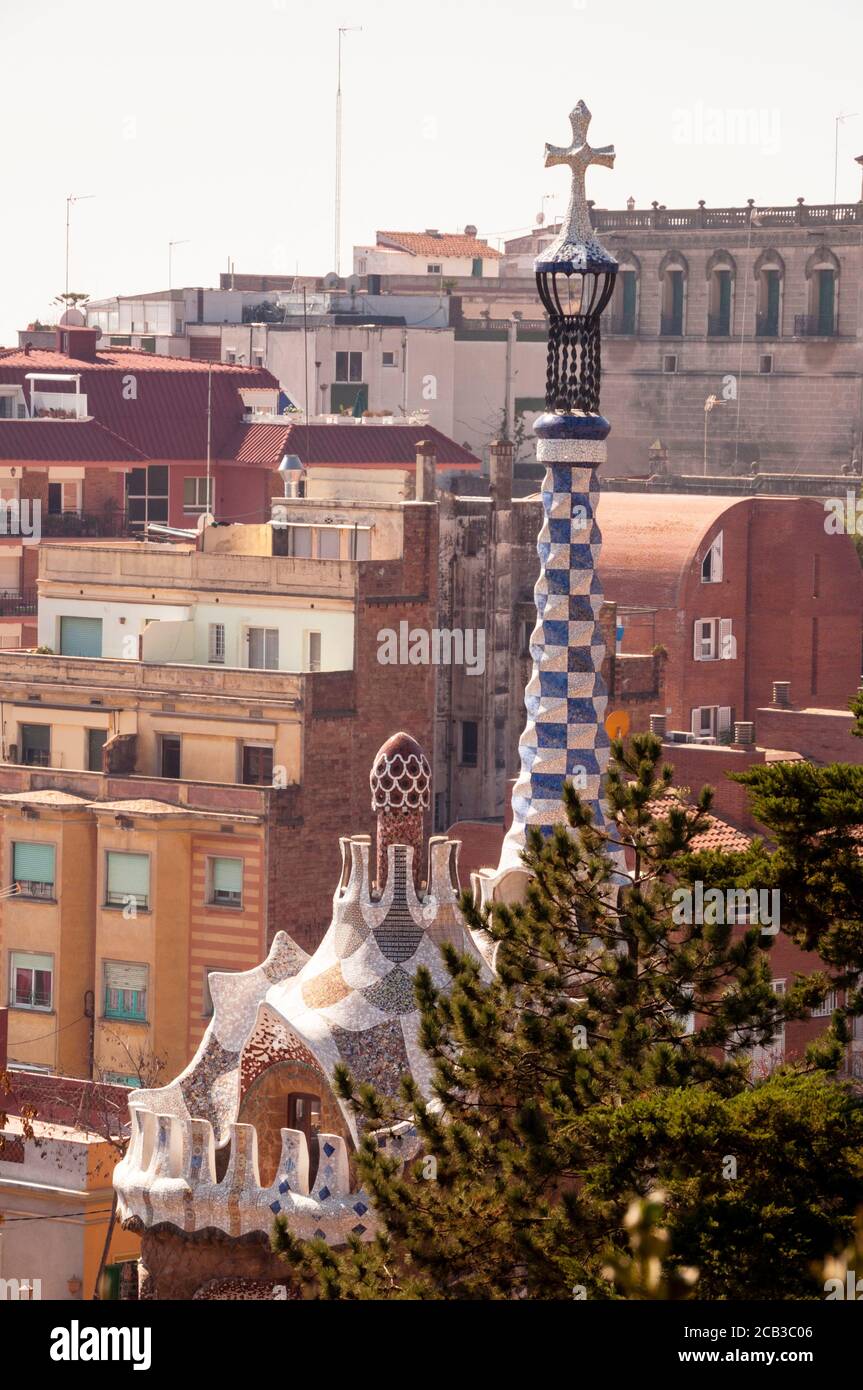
283,1186
329,1150
275,1206
358,1230
324,1193
319,1234
360,1208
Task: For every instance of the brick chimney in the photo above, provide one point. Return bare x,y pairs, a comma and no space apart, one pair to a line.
782,694
426,470
76,342
744,733
658,725
500,471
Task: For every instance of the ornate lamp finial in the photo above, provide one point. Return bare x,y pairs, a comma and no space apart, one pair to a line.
575,279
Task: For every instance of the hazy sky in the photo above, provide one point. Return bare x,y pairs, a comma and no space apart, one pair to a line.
214,121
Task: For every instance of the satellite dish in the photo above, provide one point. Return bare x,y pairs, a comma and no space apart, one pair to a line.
73,318
332,281
204,520
352,284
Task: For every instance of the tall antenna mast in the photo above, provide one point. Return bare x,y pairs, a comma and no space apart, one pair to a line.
337,260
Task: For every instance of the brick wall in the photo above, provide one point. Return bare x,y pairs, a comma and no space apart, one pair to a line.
824,736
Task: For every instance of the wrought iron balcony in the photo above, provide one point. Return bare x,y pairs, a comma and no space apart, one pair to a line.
767,325
718,326
13,605
671,326
813,326
109,524
622,324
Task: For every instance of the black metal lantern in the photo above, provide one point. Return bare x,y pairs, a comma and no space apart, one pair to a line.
575,278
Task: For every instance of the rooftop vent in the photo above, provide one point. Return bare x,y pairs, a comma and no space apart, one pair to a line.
782,694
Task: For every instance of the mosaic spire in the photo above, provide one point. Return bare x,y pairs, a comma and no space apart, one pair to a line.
565,698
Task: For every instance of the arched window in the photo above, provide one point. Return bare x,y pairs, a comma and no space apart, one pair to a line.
624,305
769,273
673,275
822,320
721,271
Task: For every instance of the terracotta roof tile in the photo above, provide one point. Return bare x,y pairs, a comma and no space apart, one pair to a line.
369,446
165,415
444,245
65,441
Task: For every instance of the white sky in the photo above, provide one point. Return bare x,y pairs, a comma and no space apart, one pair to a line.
214,121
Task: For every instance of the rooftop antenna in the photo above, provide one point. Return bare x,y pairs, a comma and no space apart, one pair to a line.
843,116
171,245
72,198
343,29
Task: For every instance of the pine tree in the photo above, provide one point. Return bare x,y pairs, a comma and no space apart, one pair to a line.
586,1017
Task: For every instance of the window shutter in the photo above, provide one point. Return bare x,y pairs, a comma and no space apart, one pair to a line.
33,863
696,641
723,720
271,660
128,875
696,720
228,875
725,647
25,960
120,974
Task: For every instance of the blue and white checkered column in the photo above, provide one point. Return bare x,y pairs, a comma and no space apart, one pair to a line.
565,738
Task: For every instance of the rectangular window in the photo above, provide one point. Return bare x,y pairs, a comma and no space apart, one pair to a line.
33,869
765,363
435,268
36,745
64,497
127,879
313,651
31,981
329,543
225,877
216,644
669,363
81,636
349,366
170,746
361,544
125,990
705,639
195,494
96,740
826,1007
469,742
388,359
300,542
263,648
257,765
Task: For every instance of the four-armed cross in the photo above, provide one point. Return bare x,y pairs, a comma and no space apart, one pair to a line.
579,156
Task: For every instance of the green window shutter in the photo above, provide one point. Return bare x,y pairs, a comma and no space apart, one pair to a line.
629,295
228,875
81,636
128,876
33,863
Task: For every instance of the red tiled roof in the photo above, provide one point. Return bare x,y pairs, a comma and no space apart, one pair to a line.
258,444
167,416
720,834
64,441
357,446
649,542
446,244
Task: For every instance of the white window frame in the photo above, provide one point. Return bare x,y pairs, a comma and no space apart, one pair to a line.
705,638
198,505
212,900
350,354
719,720
216,644
28,892
434,268
388,358
14,957
126,897
268,634
827,1005
713,562
314,663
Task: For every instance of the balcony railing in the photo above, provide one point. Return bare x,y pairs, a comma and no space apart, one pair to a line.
100,524
815,214
813,326
718,326
767,326
671,326
15,605
622,324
